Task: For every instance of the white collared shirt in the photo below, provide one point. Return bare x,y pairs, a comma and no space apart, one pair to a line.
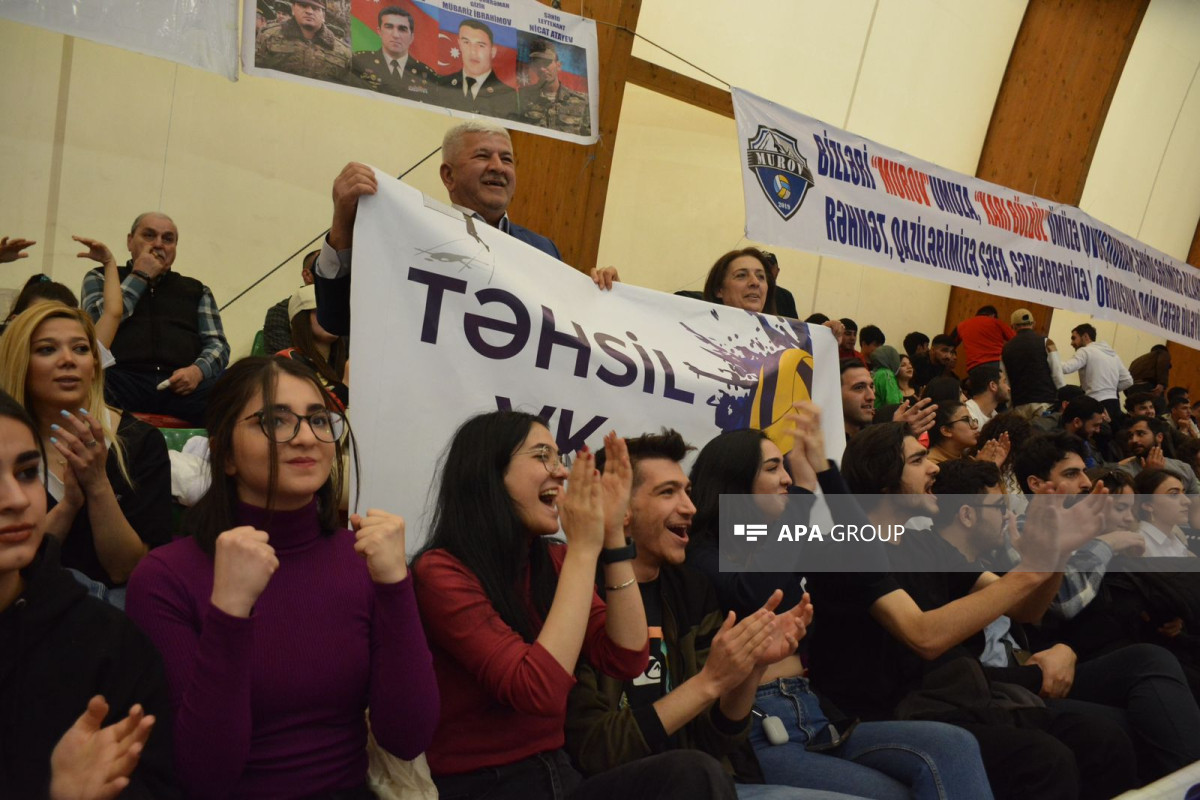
401,63
474,90
1162,545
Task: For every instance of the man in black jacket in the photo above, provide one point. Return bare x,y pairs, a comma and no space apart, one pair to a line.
1029,362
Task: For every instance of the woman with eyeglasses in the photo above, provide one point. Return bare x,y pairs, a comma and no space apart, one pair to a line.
278,627
509,614
954,432
109,474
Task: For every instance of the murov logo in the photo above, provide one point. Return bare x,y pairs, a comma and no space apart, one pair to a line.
752,532
782,172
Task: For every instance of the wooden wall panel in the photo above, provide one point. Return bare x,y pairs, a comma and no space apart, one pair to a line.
1065,65
561,187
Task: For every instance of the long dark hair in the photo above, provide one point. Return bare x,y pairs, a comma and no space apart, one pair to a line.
946,411
41,287
716,276
331,369
726,465
475,522
216,511
11,409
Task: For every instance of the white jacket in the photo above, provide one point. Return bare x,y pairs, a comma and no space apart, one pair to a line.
1101,373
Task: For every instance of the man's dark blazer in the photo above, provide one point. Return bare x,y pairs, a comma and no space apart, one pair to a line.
495,99
333,294
417,82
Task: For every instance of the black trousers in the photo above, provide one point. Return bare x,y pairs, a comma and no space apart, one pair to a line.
550,776
1056,754
136,391
1143,687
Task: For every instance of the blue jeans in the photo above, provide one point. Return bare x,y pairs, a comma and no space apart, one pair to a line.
759,791
114,597
880,760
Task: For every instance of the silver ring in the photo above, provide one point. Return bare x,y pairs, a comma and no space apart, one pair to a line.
92,443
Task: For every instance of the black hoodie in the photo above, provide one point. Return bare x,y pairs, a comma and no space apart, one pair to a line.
58,648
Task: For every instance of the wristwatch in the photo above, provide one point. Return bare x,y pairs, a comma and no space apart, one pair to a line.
142,275
613,555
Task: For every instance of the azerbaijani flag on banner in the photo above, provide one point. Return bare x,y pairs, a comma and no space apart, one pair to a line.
436,43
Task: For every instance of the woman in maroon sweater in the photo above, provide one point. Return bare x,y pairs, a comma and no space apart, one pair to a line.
278,629
508,614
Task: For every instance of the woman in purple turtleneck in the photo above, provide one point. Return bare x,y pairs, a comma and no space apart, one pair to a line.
279,630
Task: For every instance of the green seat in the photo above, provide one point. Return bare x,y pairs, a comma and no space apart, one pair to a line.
259,349
177,437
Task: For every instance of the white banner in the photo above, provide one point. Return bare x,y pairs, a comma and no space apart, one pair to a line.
198,34
531,67
818,188
453,318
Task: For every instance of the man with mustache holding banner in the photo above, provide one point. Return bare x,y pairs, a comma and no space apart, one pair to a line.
480,174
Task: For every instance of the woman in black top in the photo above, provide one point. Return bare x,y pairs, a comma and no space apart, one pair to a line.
109,475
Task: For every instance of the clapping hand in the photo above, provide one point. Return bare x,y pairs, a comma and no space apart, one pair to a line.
581,505
80,440
617,485
995,450
806,459
94,763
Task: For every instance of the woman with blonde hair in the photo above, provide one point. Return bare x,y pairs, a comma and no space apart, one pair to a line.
109,475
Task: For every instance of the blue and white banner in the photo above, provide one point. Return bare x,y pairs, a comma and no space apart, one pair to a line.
453,318
815,187
199,34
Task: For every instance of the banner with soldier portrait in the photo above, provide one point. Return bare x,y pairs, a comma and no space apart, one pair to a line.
523,64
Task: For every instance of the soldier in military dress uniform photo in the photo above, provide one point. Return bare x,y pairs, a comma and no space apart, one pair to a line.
393,69
548,102
475,87
304,45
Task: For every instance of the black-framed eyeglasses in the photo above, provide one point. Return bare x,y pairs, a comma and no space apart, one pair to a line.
281,425
1002,505
550,459
971,422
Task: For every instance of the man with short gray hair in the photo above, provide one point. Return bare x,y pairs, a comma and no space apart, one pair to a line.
480,175
170,346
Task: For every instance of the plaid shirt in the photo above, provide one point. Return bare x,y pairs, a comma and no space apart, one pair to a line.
1085,569
214,355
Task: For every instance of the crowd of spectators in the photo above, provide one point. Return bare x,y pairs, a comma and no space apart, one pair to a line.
272,645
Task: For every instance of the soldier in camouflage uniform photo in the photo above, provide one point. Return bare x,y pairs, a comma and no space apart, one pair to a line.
393,69
304,45
548,102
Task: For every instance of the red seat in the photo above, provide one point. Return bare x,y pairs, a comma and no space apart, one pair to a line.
162,420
